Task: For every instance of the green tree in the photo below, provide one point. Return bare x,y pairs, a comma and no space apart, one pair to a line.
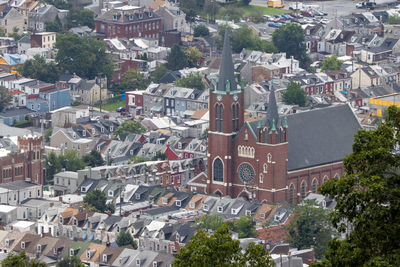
70,161
294,95
93,159
193,56
110,208
124,238
201,31
133,79
204,135
129,127
47,134
60,4
16,35
38,68
310,227
20,260
54,25
394,20
95,200
138,159
159,156
5,97
244,38
210,222
176,59
331,63
84,56
70,262
52,165
158,73
192,80
80,17
367,198
290,39
220,250
245,227
2,32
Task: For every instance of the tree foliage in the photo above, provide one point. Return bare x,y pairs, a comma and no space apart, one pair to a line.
95,200
70,262
331,63
133,79
192,80
193,55
85,56
93,159
80,17
210,222
60,4
245,227
176,59
38,68
5,97
47,134
69,161
201,30
290,39
310,227
394,20
129,127
21,260
294,95
54,25
158,73
244,38
220,250
52,165
124,238
368,199
16,35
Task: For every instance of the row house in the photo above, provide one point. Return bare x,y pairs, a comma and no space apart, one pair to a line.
342,80
315,84
128,22
382,52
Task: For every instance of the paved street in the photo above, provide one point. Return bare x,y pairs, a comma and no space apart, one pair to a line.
333,8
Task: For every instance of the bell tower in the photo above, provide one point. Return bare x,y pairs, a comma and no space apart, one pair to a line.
226,111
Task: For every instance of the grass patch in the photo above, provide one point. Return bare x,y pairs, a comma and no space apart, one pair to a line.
112,104
236,12
252,10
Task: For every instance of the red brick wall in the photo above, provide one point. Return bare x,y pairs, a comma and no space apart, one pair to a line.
125,33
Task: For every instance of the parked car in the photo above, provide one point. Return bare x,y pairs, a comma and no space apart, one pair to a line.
274,25
121,109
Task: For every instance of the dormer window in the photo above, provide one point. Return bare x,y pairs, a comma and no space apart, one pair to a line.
165,200
248,212
155,264
39,248
71,252
180,145
118,229
22,245
75,221
178,203
105,258
61,219
7,243
137,197
102,129
111,128
262,215
220,209
115,17
55,251
93,131
110,193
84,133
74,135
131,152
138,261
150,14
205,207
192,205
130,17
88,255
140,15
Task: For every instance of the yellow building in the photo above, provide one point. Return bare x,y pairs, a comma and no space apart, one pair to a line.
377,105
10,62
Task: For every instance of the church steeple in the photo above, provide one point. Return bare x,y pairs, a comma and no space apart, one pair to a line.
272,111
226,81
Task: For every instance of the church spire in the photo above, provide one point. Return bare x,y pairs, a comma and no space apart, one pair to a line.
272,111
226,81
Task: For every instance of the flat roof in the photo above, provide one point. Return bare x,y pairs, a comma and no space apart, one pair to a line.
22,224
6,208
393,97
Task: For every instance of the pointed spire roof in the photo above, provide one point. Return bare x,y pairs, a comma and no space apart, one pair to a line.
226,70
272,111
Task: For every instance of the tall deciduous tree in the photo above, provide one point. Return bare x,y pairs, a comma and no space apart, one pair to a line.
52,165
210,222
310,227
368,199
124,238
201,31
70,262
129,127
54,25
21,260
245,227
290,39
158,73
70,161
176,58
84,56
191,81
38,68
193,56
133,80
331,63
80,17
95,200
5,97
93,159
220,250
294,95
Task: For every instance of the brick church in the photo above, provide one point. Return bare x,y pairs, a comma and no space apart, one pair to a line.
273,158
